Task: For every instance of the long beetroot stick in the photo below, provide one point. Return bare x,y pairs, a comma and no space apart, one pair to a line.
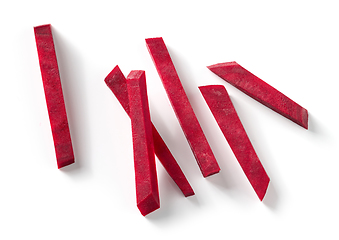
182,107
227,118
256,88
54,96
116,81
143,149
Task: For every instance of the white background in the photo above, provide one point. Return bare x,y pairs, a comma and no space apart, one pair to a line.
292,45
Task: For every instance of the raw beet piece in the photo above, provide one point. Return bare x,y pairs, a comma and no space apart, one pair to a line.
53,94
227,118
170,164
116,81
256,88
144,161
182,107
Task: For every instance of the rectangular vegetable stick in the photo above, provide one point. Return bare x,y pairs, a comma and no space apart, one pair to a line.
256,88
54,96
116,81
227,118
144,161
182,107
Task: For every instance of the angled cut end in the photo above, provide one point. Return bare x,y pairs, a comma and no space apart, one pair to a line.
148,204
304,117
116,81
154,40
158,51
136,74
111,76
65,163
188,192
262,188
216,68
211,171
43,29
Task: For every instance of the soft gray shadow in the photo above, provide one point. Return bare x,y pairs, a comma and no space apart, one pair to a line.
221,180
71,70
164,213
183,70
169,212
75,167
194,200
271,198
314,125
178,146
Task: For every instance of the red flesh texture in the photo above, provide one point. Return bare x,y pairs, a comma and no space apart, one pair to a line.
182,107
256,88
144,161
227,118
54,96
116,81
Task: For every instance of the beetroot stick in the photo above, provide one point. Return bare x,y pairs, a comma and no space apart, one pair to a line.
256,88
53,94
227,118
143,149
182,107
116,81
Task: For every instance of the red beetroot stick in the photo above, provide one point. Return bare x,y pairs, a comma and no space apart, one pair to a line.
144,161
53,94
227,118
116,81
182,107
256,88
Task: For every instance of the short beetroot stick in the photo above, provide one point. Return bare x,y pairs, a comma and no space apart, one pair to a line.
256,88
116,81
143,149
54,96
227,118
182,107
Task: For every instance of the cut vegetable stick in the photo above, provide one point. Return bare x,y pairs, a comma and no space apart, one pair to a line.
256,88
144,161
116,81
170,164
54,96
227,118
182,107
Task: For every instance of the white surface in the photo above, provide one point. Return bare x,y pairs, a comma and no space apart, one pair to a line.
292,45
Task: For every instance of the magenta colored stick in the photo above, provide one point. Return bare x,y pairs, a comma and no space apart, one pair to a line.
227,118
116,81
53,94
182,107
256,88
143,149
